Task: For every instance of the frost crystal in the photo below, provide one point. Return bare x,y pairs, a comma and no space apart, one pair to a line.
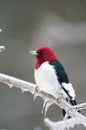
10,85
2,48
24,90
47,103
35,96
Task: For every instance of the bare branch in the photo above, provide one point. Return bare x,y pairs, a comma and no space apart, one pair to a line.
77,118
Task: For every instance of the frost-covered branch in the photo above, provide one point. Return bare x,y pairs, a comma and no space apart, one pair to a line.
69,123
12,81
2,48
71,111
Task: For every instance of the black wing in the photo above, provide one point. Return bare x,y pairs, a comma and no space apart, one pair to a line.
61,73
62,77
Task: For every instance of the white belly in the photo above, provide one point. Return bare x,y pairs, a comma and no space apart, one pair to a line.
46,80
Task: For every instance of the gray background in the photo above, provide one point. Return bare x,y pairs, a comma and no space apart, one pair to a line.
30,24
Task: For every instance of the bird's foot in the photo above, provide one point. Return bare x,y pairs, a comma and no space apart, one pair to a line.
36,89
35,93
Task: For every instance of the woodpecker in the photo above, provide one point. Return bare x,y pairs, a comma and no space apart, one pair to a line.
50,75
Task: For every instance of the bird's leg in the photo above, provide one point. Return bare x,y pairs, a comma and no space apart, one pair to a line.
66,117
35,93
36,89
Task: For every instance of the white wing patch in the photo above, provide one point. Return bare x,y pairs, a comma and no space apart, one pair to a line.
47,81
69,88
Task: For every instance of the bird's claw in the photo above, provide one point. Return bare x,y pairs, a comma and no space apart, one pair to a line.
35,93
36,89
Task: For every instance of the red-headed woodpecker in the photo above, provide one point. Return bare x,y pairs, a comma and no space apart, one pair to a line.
51,77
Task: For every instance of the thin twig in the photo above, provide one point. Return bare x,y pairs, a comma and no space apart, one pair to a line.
80,106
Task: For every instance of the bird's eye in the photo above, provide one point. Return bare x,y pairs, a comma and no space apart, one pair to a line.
42,53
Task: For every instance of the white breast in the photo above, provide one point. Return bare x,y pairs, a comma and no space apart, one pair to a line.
46,79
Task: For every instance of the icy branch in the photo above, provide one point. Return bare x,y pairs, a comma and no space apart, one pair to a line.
11,81
77,118
80,106
69,123
2,48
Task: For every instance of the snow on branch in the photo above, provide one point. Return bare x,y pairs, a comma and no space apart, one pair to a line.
77,118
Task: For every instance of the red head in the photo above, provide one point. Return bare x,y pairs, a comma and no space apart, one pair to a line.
44,54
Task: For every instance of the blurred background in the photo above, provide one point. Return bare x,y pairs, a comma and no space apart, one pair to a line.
30,24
